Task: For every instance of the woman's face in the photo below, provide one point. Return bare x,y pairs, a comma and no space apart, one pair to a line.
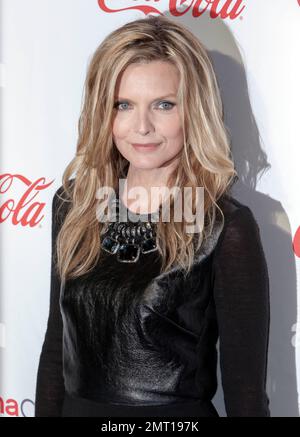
146,111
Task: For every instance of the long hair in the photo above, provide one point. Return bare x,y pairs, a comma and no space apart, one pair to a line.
206,156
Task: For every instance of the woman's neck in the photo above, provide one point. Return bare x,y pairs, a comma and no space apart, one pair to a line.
143,198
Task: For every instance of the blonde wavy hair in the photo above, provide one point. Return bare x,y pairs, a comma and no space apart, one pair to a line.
206,155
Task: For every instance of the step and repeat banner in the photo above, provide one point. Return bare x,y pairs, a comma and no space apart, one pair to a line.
45,49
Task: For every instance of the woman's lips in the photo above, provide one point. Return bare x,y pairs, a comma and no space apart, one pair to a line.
149,146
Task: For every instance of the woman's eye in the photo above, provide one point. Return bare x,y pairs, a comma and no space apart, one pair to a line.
120,105
168,103
116,105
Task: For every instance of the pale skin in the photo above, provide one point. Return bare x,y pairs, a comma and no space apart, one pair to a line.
146,111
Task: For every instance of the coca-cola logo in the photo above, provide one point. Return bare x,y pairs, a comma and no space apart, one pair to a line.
218,8
21,209
11,407
296,240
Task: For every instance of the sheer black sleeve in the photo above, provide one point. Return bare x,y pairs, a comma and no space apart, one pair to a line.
241,293
50,383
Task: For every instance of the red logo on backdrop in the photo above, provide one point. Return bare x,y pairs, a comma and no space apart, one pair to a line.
21,210
11,407
296,241
218,8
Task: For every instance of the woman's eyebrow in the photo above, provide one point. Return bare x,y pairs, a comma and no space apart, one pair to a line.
157,98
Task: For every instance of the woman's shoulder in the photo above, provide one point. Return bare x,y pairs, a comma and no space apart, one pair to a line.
61,192
62,200
230,208
240,222
234,209
230,204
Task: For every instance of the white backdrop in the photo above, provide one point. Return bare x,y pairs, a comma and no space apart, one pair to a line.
44,53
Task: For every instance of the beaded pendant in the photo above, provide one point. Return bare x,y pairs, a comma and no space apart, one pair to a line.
127,240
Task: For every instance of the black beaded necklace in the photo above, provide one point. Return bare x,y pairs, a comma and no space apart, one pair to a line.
127,240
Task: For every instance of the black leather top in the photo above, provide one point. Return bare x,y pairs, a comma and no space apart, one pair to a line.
125,334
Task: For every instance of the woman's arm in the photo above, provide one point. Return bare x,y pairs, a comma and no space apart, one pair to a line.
241,293
50,384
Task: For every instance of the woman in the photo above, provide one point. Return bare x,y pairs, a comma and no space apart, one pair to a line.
137,306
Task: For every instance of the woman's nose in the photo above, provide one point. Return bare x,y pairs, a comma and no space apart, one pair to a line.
144,122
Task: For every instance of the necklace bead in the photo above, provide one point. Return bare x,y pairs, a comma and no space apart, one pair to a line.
127,240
